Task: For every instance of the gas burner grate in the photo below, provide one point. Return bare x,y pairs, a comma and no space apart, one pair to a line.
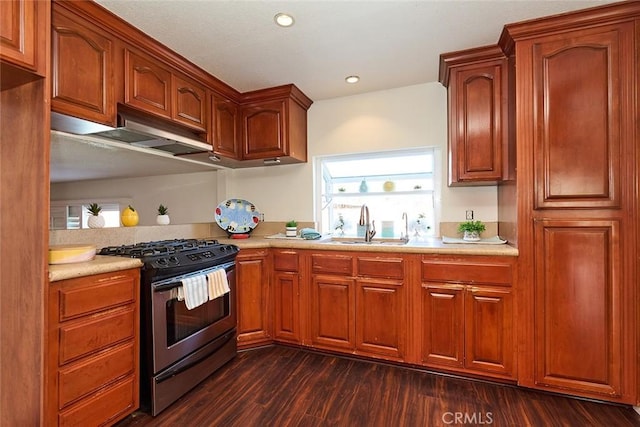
159,247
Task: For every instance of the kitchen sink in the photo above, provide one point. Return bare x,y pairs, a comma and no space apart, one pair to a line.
382,241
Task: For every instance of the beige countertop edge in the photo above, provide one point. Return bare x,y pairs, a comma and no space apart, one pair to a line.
427,246
100,264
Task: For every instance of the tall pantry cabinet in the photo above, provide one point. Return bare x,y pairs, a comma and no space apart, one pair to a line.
576,115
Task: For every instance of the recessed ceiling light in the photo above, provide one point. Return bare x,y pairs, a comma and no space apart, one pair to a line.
352,79
283,19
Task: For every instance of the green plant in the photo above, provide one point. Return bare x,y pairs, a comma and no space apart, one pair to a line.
163,210
471,226
95,209
292,223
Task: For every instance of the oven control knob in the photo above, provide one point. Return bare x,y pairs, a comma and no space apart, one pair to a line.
173,260
162,261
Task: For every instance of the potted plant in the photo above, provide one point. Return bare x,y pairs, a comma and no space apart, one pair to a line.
471,230
163,215
291,228
95,220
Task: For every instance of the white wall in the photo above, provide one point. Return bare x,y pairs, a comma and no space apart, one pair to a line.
408,117
191,198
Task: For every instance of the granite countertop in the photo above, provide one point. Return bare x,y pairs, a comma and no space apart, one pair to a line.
100,264
106,264
421,245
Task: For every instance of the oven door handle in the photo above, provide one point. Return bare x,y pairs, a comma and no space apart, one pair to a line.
176,282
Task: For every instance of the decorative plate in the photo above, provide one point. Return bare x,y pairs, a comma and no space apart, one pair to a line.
237,216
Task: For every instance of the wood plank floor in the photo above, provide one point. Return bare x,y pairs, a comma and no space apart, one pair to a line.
282,386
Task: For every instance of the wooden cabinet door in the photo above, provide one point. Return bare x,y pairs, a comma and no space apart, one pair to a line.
82,69
477,85
225,127
189,103
442,323
253,298
286,313
264,130
489,345
23,33
582,113
579,334
381,325
147,84
332,312
477,122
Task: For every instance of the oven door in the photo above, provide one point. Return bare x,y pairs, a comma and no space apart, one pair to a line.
178,331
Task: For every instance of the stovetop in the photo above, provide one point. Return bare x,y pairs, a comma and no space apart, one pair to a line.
179,254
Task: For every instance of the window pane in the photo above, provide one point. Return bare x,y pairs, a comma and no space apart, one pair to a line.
389,183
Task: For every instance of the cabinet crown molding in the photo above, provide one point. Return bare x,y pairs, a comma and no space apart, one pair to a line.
599,15
465,57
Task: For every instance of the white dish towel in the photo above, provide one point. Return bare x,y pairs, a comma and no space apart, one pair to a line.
195,291
218,283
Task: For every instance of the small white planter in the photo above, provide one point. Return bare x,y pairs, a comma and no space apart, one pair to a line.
291,231
163,220
95,221
471,236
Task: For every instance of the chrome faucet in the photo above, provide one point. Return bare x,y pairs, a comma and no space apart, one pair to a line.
369,226
405,237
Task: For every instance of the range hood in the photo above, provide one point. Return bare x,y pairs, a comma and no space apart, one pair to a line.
138,134
136,131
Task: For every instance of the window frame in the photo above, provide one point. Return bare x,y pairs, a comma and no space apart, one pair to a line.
320,201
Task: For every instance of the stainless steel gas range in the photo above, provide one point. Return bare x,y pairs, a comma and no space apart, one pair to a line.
180,347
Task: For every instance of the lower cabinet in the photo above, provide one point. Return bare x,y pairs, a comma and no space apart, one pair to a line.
358,304
332,302
253,298
450,313
466,315
93,349
286,291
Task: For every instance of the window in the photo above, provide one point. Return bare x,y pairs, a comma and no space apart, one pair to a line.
390,183
73,215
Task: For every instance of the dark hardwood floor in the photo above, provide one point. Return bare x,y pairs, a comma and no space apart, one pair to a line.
282,386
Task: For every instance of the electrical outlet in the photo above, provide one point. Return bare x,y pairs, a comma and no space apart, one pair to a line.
469,215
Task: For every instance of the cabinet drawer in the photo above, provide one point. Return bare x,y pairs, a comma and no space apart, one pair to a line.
467,272
106,291
285,261
98,332
89,375
333,264
111,404
392,268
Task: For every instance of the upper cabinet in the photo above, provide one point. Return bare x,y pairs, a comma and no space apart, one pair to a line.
147,84
151,86
82,68
23,38
101,65
477,81
225,123
274,125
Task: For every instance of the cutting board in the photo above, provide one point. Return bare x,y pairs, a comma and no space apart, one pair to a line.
67,254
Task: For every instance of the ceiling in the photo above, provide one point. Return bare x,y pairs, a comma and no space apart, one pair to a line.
388,44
